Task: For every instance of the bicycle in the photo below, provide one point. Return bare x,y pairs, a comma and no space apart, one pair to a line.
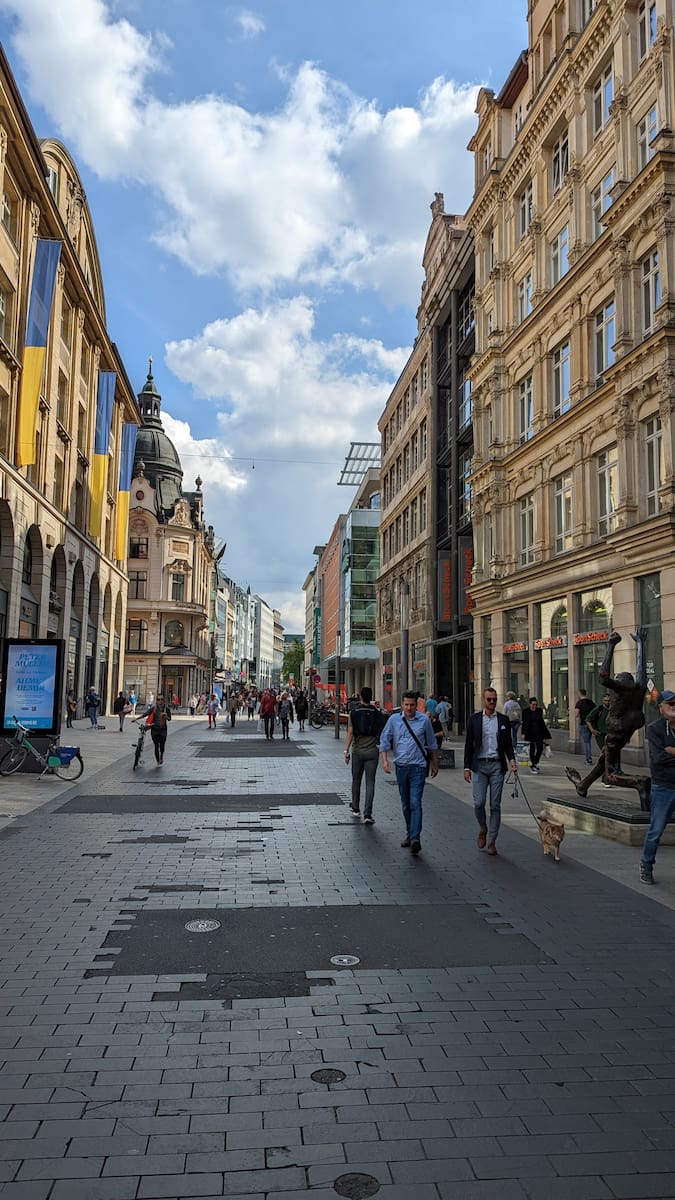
142,732
321,715
64,761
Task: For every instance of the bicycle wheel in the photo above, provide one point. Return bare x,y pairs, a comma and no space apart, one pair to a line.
139,751
13,759
316,722
71,770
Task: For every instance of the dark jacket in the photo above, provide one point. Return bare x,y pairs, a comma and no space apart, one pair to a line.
534,727
474,737
119,704
662,766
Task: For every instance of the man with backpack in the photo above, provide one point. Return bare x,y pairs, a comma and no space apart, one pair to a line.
363,734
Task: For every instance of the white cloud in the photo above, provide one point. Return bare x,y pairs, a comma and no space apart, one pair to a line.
207,457
326,188
250,23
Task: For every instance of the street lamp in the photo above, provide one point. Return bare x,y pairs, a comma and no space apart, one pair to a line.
337,685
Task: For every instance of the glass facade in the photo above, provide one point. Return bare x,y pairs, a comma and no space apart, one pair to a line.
360,582
516,652
594,615
552,669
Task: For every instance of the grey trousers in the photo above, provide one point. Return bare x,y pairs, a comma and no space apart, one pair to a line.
365,763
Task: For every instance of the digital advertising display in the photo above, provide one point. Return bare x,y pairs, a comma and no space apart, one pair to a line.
32,673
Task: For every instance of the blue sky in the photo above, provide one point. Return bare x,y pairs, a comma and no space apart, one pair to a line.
260,180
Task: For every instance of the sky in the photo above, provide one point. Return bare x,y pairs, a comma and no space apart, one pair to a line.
260,180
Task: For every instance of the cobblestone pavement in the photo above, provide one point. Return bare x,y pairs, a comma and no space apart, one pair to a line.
507,1032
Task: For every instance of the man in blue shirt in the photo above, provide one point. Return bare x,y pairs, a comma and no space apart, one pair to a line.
410,737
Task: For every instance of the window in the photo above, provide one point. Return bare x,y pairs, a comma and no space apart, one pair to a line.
138,581
406,405
464,497
518,118
601,200
466,318
66,322
10,213
465,404
607,490
6,315
526,513
524,305
414,392
399,529
562,512
57,487
137,635
559,260
651,291
561,379
5,423
423,440
603,94
177,586
646,28
587,10
486,158
423,510
491,250
406,463
560,161
413,518
524,211
53,181
27,566
399,473
646,132
415,445
406,526
653,453
62,406
525,410
174,634
603,331
138,547
419,584
425,375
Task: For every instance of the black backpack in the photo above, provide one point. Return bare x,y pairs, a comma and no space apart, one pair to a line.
368,721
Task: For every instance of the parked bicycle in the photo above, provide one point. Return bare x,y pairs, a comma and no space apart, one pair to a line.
64,761
321,714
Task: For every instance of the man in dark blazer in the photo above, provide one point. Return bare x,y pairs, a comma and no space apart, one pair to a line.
488,755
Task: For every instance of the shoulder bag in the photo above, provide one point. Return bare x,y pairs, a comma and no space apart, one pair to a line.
427,753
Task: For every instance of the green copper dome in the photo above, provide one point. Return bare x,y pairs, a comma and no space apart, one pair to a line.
162,466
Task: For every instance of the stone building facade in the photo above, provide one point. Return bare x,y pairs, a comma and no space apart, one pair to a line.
55,579
574,373
171,564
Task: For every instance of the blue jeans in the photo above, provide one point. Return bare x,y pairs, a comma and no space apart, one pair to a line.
587,739
662,809
410,780
515,726
489,776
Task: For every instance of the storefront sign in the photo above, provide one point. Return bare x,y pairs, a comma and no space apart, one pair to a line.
32,671
515,647
550,643
594,635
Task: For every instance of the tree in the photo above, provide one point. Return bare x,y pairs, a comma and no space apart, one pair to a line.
293,664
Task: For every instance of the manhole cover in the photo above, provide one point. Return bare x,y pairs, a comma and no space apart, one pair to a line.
356,1186
345,960
202,926
327,1075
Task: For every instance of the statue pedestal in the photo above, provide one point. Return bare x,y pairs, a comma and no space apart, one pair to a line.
607,812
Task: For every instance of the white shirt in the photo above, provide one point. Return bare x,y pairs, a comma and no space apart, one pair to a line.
488,745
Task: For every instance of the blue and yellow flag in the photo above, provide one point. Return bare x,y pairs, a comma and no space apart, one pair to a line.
126,467
47,254
105,398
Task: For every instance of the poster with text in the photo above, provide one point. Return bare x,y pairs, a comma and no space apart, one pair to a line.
31,685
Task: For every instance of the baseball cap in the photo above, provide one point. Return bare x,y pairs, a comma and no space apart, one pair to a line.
665,697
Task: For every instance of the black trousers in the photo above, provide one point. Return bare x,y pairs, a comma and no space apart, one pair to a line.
159,741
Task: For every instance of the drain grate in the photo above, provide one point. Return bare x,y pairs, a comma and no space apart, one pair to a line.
328,1075
202,926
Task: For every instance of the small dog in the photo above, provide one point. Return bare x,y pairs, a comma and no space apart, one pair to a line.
551,834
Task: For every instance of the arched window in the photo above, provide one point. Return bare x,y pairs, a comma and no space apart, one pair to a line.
174,633
27,571
137,635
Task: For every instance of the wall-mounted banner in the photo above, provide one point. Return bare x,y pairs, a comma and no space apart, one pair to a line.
47,254
32,672
129,433
465,575
105,399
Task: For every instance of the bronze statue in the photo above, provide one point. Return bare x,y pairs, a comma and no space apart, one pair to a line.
624,718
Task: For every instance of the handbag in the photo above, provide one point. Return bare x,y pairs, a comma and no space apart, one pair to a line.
427,753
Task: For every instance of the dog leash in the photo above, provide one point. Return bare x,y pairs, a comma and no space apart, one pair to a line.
518,787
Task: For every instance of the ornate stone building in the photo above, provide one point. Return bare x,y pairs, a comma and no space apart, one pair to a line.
573,377
171,564
56,580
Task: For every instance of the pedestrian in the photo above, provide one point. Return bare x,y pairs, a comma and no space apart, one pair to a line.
409,735
233,708
175,701
301,710
661,745
286,715
365,726
212,709
156,718
583,708
120,708
150,699
194,701
437,727
71,708
250,704
268,712
92,703
133,701
488,754
432,705
201,703
514,713
535,731
443,712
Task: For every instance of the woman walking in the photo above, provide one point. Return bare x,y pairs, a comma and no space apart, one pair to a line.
156,718
71,708
120,708
285,715
301,710
535,731
212,709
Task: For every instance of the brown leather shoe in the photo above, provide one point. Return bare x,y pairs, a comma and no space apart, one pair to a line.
482,838
492,849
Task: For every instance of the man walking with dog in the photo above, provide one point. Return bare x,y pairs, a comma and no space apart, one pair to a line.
488,755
